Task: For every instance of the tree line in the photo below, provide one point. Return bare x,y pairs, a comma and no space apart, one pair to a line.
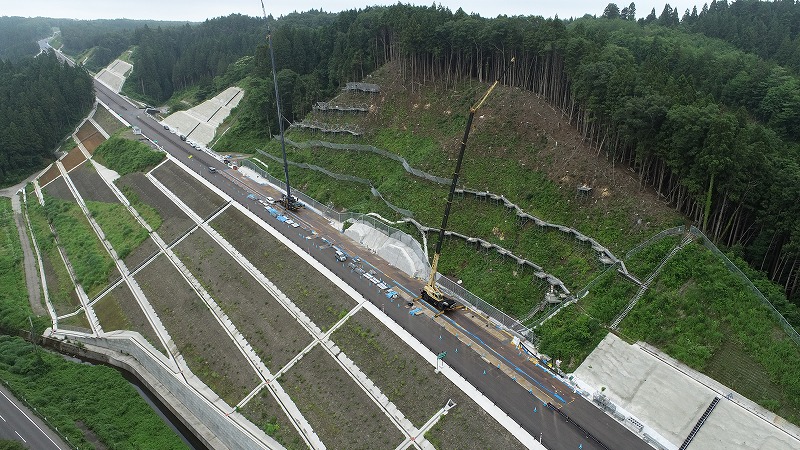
710,126
41,101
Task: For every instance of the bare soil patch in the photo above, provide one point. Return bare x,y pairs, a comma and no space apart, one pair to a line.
90,185
273,333
86,130
265,412
342,414
175,222
89,137
314,294
142,253
73,159
118,310
400,372
51,174
192,192
58,188
467,426
206,347
107,121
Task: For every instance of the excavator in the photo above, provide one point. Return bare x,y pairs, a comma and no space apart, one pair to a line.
431,292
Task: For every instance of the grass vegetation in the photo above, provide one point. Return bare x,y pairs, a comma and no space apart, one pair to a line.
120,227
148,213
67,145
89,259
14,306
59,285
125,156
69,393
700,313
265,412
576,330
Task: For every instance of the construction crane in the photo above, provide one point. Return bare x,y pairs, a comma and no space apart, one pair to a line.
288,200
430,292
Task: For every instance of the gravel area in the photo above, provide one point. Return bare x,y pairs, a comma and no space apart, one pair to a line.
175,222
90,185
118,310
206,347
342,414
273,333
317,296
193,193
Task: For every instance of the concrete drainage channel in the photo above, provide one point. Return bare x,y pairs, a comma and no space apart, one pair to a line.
84,356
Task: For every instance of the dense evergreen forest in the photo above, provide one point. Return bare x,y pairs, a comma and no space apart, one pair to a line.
708,124
703,105
41,101
18,36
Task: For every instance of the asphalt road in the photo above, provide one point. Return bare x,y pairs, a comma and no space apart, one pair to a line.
528,410
18,423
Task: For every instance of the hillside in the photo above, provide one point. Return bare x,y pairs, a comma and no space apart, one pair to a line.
525,150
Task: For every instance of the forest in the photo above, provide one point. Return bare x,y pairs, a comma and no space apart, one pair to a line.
41,101
702,105
710,126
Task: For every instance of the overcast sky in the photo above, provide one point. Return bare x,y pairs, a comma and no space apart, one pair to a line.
199,10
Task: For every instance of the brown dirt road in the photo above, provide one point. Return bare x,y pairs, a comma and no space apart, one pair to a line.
29,261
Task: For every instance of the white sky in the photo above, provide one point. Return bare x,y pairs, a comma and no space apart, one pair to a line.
199,10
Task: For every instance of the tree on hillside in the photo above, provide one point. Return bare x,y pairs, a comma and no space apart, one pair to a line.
41,100
612,11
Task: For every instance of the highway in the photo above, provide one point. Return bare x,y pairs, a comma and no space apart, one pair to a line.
18,423
529,410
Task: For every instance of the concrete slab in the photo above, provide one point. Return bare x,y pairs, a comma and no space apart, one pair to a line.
390,249
670,399
200,122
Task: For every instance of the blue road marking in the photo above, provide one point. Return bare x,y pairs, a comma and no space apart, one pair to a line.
530,378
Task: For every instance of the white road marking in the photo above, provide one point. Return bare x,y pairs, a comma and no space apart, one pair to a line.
31,421
4,419
20,436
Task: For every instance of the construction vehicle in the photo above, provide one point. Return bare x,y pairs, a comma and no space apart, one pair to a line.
288,201
430,292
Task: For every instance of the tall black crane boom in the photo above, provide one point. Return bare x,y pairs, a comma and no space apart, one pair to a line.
431,293
288,201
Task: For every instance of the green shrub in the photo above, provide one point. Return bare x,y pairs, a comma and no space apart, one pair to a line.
98,396
89,259
125,156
